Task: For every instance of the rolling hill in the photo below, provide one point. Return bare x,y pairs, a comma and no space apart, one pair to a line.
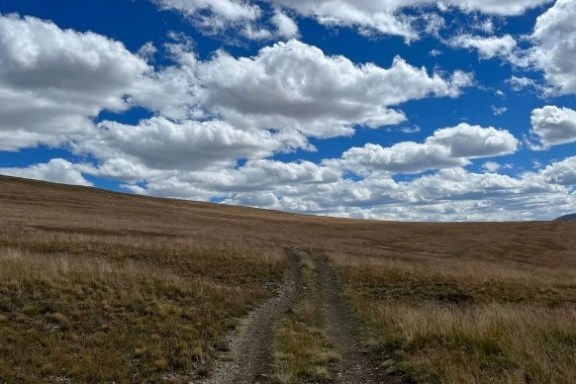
98,286
567,218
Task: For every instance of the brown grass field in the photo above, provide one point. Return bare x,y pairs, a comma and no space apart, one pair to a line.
101,287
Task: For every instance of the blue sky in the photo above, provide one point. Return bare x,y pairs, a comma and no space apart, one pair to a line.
412,110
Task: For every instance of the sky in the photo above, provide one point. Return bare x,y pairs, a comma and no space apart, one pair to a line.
408,110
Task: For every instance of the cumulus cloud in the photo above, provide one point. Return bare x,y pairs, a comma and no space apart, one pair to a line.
497,7
159,143
262,174
491,167
247,19
56,170
211,113
448,147
449,195
487,47
214,14
53,82
369,17
286,26
562,172
387,17
519,83
552,125
473,141
554,48
296,86
257,175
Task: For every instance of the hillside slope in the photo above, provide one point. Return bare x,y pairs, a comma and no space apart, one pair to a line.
567,218
56,207
102,287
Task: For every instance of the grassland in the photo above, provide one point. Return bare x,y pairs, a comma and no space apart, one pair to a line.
453,320
97,287
95,297
93,308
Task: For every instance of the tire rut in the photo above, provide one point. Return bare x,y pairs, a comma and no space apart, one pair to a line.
355,366
249,360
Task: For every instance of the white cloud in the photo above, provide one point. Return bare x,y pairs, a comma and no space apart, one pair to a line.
497,111
448,195
172,186
53,82
369,17
491,167
410,130
387,17
499,7
448,147
295,86
379,17
554,126
519,83
262,174
258,175
405,157
210,114
161,144
218,12
486,25
554,48
56,170
473,141
435,53
286,27
488,47
256,33
147,51
247,19
562,172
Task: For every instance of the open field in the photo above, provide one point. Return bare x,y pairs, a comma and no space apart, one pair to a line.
98,287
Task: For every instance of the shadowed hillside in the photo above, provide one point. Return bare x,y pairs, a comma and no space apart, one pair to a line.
567,218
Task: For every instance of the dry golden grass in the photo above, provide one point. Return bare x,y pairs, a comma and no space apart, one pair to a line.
93,319
101,287
454,321
99,301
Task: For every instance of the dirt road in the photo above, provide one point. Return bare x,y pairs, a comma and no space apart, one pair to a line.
355,366
250,357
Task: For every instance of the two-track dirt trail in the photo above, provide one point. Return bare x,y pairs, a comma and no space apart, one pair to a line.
355,366
249,360
250,357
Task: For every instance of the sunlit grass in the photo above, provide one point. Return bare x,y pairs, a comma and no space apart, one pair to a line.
435,324
92,308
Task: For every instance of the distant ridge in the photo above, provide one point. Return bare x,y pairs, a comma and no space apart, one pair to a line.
567,217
